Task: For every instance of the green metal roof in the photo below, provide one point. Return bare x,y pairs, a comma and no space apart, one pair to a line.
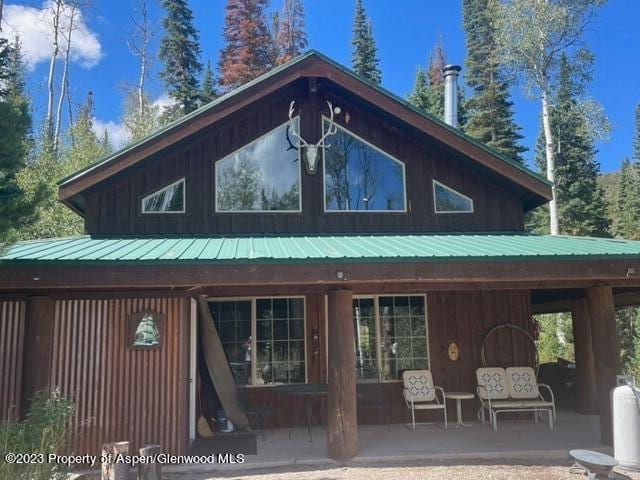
316,249
275,71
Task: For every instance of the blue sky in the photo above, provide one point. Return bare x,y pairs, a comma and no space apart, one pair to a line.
405,31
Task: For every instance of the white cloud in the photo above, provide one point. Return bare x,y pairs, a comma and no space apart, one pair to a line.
118,134
34,28
163,101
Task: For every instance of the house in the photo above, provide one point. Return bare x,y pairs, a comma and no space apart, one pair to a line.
403,242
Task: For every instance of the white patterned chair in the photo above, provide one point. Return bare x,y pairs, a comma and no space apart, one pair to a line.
512,390
419,393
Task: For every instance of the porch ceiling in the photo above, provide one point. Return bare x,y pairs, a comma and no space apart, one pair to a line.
318,249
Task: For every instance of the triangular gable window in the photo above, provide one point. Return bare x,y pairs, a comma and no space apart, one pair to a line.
262,176
448,200
361,177
170,199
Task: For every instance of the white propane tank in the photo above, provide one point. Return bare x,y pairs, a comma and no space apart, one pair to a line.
626,426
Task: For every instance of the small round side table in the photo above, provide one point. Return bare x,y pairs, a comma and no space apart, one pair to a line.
458,397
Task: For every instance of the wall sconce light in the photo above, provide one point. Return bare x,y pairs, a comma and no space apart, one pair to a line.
316,344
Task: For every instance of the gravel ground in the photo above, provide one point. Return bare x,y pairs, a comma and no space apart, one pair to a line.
412,472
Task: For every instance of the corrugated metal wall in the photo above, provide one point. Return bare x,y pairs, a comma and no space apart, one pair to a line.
12,318
120,393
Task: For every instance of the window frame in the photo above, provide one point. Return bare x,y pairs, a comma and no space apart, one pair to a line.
217,176
254,329
446,187
157,192
376,308
379,150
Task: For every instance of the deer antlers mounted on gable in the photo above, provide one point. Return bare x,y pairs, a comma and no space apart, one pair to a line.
311,150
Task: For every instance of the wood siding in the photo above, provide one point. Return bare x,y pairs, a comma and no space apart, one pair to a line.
12,325
121,393
113,207
461,317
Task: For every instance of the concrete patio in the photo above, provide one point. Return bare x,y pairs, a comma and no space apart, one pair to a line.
515,440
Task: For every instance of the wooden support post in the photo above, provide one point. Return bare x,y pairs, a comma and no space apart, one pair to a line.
152,470
342,416
586,383
38,345
111,469
604,341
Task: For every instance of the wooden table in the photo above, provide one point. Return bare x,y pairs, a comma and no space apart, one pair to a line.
458,397
308,391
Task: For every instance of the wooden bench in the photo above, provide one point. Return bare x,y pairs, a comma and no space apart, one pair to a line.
512,390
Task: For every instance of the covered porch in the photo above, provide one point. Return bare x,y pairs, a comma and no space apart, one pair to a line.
468,284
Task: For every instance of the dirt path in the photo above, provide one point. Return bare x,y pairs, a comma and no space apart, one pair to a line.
412,472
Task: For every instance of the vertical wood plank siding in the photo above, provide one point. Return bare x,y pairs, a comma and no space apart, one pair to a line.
121,393
12,318
113,206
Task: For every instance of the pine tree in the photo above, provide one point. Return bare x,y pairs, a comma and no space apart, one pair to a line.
16,208
364,57
489,109
291,37
208,92
179,52
248,51
582,209
627,203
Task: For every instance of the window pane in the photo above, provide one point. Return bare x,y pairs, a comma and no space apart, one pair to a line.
360,177
169,199
280,349
403,335
261,176
448,200
365,338
233,322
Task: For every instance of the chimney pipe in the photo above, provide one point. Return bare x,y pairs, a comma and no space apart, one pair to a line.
450,74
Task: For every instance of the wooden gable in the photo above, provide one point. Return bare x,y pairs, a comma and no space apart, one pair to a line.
109,194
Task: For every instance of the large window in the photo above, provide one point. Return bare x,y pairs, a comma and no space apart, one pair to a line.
261,176
263,339
390,336
448,200
360,177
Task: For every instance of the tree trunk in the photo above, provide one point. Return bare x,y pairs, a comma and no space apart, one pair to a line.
551,161
111,469
152,470
1,9
65,80
606,353
586,382
342,417
52,70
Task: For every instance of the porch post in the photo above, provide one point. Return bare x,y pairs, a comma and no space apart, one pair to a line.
605,350
342,418
586,383
38,347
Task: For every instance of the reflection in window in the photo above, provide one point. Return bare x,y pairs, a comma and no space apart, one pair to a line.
168,200
233,323
280,340
358,176
448,200
277,353
147,333
261,176
402,338
364,321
